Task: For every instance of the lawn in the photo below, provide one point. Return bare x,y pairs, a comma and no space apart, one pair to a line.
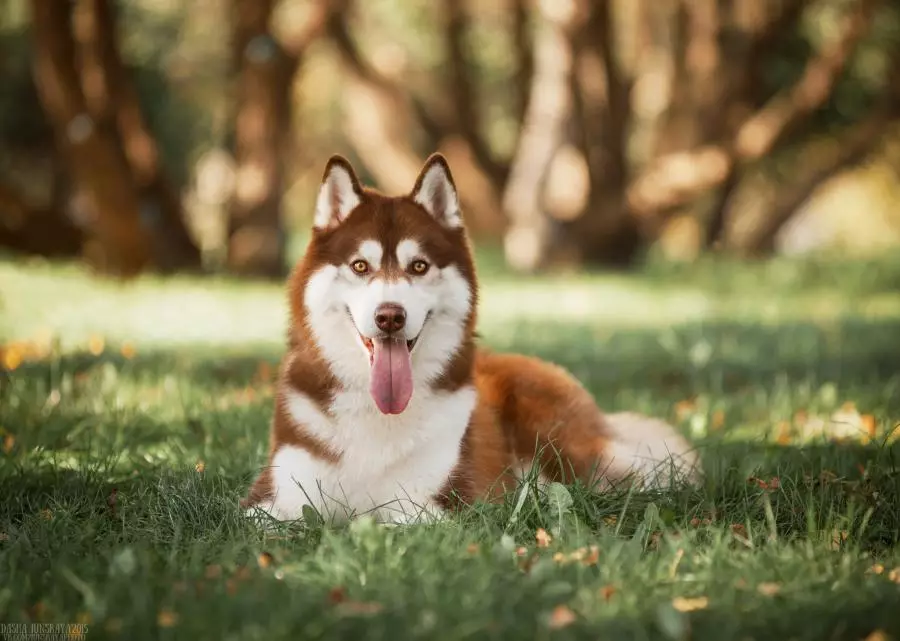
133,417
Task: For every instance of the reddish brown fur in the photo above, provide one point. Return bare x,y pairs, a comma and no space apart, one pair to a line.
525,406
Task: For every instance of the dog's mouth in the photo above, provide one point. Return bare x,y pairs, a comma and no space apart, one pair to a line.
390,370
369,344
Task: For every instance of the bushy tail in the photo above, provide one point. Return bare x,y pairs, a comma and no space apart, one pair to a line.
648,451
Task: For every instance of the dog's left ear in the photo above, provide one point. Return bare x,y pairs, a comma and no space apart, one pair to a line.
435,191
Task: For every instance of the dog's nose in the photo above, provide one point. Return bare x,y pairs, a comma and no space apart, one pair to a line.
390,317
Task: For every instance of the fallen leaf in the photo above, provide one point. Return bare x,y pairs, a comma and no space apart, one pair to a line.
128,350
543,538
894,575
264,559
200,467
768,588
876,569
868,426
592,557
689,604
96,344
46,514
718,419
166,618
685,408
607,592
785,433
561,617
11,357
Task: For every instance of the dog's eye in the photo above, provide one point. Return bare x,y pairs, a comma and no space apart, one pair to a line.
418,267
359,266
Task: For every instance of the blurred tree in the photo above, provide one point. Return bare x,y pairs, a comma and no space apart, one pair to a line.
266,70
134,217
635,111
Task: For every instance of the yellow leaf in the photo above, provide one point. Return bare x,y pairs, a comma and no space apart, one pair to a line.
200,467
11,357
543,538
166,618
561,617
784,433
128,350
689,604
768,589
878,635
876,569
894,575
718,419
868,426
264,560
96,344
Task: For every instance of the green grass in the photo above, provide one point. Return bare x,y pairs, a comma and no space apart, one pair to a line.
726,351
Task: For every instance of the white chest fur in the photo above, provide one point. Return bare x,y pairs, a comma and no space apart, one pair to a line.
389,466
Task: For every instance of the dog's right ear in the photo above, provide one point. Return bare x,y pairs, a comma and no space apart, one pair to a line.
339,194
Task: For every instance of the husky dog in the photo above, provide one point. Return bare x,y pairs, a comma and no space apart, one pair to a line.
385,403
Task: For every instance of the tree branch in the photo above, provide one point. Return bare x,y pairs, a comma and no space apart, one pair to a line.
463,92
853,147
675,179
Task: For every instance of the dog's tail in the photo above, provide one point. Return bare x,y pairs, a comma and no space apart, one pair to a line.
648,451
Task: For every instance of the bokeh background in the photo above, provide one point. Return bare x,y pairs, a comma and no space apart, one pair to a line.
154,135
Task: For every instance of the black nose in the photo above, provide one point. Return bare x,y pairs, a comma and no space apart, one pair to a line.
390,317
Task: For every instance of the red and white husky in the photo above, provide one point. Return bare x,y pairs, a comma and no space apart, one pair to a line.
386,405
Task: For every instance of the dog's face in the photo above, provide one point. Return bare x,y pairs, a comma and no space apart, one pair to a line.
389,288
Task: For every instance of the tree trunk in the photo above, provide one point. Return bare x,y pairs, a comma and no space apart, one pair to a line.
119,244
114,105
43,231
528,240
381,120
256,238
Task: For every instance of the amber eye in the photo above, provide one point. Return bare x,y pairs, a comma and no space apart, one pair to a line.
418,267
359,266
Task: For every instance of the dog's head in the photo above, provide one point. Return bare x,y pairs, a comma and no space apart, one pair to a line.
387,286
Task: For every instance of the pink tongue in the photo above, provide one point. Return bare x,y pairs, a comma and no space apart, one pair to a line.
391,377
